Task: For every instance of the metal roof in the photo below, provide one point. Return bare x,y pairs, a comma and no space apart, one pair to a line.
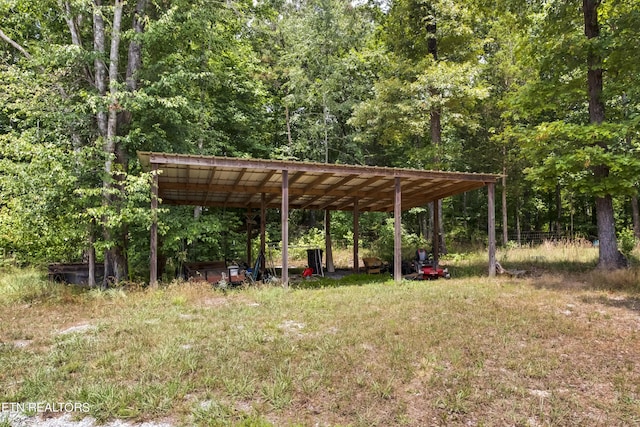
239,183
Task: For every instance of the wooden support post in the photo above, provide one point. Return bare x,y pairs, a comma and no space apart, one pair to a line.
356,235
249,231
492,228
328,246
263,234
285,228
397,239
153,256
435,245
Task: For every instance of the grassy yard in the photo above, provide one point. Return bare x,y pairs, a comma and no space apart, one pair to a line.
560,347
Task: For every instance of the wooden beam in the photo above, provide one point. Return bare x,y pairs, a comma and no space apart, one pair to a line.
310,202
314,184
263,233
249,200
266,178
332,203
153,256
458,188
492,227
345,206
435,245
168,200
356,235
249,230
319,180
296,177
328,247
343,181
367,183
370,203
210,185
337,199
397,235
237,182
272,197
329,191
148,158
285,228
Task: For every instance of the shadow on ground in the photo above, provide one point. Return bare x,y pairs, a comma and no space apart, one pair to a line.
630,303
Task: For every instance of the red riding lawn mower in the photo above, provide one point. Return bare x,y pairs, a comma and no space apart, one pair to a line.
427,269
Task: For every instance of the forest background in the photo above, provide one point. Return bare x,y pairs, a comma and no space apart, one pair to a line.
545,92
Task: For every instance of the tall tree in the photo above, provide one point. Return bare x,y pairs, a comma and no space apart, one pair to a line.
316,52
559,113
77,86
609,257
430,81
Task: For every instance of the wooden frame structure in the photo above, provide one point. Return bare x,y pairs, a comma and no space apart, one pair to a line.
181,179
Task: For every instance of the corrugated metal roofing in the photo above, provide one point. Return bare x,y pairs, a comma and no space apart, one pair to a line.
240,183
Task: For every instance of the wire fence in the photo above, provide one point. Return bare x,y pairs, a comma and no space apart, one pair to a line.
537,237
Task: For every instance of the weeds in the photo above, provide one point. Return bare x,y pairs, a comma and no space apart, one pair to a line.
556,348
26,286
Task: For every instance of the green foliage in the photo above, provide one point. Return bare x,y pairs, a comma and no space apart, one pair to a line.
311,80
570,152
320,69
27,285
204,96
627,241
384,245
394,125
551,110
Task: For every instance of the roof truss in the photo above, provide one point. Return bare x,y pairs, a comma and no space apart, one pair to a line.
233,182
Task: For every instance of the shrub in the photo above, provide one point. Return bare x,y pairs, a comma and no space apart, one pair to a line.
627,241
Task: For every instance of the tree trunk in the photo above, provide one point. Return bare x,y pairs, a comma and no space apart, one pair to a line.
99,65
436,128
558,210
423,224
71,23
134,61
288,122
92,257
609,255
505,228
115,264
518,228
636,216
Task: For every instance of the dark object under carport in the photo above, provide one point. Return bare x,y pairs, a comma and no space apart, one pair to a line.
75,273
314,260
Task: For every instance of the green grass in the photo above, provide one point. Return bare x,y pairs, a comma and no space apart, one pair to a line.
559,348
24,285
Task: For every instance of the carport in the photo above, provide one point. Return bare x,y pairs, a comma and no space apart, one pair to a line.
180,179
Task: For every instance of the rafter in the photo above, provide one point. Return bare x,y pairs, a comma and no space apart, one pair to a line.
216,181
235,183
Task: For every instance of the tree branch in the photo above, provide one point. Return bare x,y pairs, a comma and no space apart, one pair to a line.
71,23
6,38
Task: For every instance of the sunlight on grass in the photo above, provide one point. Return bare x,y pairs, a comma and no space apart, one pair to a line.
28,285
362,351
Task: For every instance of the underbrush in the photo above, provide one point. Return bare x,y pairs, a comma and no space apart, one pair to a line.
358,351
25,285
448,352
